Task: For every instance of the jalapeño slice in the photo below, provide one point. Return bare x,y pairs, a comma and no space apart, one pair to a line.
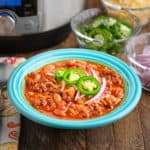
88,85
59,73
71,76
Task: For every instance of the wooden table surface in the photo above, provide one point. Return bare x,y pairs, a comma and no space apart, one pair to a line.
130,133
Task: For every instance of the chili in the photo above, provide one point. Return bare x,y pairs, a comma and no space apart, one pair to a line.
52,95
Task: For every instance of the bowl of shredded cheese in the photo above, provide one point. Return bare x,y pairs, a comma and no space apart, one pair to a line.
140,8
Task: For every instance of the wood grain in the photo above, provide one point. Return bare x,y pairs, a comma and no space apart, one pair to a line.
128,133
100,138
93,3
36,137
144,110
70,139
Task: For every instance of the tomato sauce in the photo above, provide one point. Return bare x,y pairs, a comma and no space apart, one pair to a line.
58,99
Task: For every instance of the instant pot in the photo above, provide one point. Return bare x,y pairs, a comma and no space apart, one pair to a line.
28,25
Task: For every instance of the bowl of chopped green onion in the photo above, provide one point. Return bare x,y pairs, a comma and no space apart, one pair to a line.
105,30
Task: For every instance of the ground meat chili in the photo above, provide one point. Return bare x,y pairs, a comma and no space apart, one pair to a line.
88,90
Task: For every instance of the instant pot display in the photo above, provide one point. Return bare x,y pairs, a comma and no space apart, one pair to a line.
22,8
10,3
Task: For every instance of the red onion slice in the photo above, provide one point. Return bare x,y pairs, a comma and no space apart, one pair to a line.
100,93
143,68
63,86
143,59
66,109
77,95
94,73
146,50
50,74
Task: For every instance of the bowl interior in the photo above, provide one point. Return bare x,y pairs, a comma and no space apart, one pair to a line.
16,87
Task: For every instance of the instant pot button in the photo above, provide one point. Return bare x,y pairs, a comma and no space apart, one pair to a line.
28,25
27,13
7,23
28,5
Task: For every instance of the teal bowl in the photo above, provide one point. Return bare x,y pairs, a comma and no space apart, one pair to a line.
16,87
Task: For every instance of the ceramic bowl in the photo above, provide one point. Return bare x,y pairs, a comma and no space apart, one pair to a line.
16,87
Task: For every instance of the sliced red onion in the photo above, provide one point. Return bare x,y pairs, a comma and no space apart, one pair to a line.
87,73
77,95
94,73
50,74
100,93
81,96
63,86
142,57
146,64
143,70
146,50
145,76
67,107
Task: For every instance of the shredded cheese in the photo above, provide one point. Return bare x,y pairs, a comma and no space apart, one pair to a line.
143,15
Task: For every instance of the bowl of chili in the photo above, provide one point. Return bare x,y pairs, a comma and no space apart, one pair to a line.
74,88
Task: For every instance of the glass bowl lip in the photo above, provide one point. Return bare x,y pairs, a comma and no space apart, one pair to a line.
79,34
129,56
16,97
115,6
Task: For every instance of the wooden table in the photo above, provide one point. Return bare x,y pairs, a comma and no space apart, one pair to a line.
130,133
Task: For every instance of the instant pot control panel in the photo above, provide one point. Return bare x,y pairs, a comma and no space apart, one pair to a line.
18,17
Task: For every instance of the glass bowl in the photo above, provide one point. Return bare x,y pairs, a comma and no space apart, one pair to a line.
139,8
138,54
113,47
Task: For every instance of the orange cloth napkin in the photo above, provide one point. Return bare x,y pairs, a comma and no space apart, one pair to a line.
9,118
